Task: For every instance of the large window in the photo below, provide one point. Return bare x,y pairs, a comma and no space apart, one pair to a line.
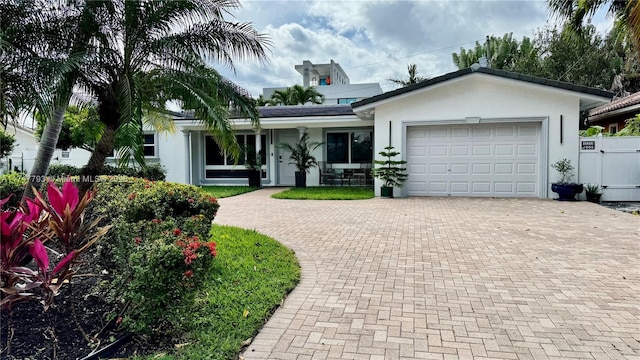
350,147
215,156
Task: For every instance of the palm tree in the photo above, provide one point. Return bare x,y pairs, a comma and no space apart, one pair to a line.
41,48
155,53
578,13
297,95
132,58
413,77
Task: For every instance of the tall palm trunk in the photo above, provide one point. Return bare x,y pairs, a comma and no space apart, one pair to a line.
47,147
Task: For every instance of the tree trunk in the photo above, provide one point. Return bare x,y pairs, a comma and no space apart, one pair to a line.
104,148
48,142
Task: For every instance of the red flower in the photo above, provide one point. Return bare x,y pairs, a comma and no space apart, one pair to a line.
212,248
132,196
188,273
176,231
156,221
190,200
119,320
137,240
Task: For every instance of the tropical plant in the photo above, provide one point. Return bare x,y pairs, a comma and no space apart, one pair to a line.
504,53
23,233
592,189
81,128
565,169
390,171
135,57
631,128
7,143
593,130
413,77
296,95
301,151
42,47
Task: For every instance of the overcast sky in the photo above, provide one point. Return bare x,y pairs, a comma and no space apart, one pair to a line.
376,40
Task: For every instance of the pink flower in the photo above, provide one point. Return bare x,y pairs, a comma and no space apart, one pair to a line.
62,200
177,231
188,273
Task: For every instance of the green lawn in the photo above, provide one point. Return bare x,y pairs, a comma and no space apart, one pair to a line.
325,193
227,191
252,275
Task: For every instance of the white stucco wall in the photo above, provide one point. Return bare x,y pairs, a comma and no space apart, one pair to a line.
26,149
485,97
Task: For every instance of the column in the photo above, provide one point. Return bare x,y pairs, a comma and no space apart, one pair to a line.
187,156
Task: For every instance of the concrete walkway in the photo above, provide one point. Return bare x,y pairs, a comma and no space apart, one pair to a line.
451,278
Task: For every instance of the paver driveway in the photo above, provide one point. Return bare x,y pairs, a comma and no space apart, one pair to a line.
450,278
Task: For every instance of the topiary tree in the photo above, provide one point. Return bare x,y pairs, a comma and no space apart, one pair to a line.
390,171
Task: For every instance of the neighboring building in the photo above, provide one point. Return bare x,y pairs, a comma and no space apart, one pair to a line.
612,116
26,148
331,81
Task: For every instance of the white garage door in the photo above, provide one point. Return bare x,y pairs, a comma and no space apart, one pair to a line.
474,160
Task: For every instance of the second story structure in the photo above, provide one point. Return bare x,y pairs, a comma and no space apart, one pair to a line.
333,82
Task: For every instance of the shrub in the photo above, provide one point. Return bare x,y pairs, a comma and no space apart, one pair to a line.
158,264
153,172
12,183
58,171
156,251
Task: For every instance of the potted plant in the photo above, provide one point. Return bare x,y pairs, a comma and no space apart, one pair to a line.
593,193
566,190
253,163
390,171
301,157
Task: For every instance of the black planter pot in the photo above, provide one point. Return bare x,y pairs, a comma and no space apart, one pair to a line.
594,198
254,178
386,191
567,192
301,179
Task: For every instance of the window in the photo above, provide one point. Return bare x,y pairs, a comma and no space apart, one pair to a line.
613,129
214,156
350,147
346,100
314,81
149,145
65,154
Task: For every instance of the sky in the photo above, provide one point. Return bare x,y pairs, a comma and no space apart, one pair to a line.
374,41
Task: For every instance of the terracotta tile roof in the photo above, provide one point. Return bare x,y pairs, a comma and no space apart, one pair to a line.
633,99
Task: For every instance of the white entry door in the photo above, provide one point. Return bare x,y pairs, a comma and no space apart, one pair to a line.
494,160
286,171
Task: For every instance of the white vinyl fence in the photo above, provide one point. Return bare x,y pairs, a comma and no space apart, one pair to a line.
614,164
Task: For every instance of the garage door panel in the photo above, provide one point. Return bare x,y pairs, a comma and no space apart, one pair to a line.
504,168
481,150
504,150
459,169
527,150
438,169
481,169
474,160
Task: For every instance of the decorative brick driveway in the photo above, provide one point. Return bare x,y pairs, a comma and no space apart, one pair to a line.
450,278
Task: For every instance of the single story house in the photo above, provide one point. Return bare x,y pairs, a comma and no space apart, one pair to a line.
612,116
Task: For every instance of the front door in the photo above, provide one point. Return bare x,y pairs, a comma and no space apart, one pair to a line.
286,171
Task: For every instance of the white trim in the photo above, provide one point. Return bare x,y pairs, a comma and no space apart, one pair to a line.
544,141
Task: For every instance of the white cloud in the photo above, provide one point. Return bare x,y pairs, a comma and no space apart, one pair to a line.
375,40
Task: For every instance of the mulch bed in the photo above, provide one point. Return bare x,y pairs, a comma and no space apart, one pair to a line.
72,328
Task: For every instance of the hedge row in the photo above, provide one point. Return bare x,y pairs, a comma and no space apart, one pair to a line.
153,172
